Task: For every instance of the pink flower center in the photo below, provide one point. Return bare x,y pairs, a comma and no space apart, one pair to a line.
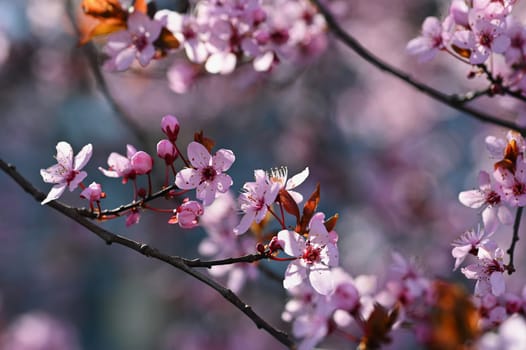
140,41
486,39
208,174
311,254
492,198
519,188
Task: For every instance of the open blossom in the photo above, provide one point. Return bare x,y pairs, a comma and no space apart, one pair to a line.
486,196
279,175
435,35
188,214
67,172
120,166
316,255
134,42
468,243
488,270
512,187
484,38
255,199
206,174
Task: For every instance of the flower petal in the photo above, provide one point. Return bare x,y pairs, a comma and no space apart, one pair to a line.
83,157
55,192
198,155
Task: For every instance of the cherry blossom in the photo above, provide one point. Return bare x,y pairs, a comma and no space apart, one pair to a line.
279,175
486,196
255,199
120,166
67,172
435,36
488,270
142,163
170,126
167,151
134,42
484,38
206,174
511,335
468,243
315,256
93,193
188,214
512,187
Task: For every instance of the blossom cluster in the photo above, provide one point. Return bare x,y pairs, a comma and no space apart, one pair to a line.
216,36
475,32
497,195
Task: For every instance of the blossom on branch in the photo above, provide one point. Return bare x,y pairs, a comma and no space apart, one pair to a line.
66,173
315,256
206,174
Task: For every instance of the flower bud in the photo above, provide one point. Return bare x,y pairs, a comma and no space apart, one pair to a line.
142,163
167,151
188,214
170,126
93,192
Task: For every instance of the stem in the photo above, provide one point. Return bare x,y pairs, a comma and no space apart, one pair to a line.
146,250
438,95
515,238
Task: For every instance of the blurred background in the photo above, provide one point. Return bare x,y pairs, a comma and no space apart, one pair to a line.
389,160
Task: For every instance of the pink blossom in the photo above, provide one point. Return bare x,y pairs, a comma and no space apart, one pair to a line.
255,199
512,187
170,126
206,173
511,335
181,75
316,255
488,270
468,243
167,151
142,163
134,42
459,12
133,217
486,196
66,173
120,166
279,175
517,33
496,145
484,38
433,39
188,214
92,193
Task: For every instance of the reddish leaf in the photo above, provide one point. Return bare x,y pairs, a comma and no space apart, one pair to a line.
166,41
205,141
140,6
103,9
462,52
377,327
454,318
308,210
289,204
331,222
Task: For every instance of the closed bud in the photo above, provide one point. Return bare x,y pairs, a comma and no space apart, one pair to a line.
142,163
167,151
170,126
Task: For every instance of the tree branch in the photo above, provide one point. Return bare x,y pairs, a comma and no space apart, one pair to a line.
146,250
515,238
438,95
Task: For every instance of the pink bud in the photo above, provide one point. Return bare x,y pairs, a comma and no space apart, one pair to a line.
142,163
188,214
170,126
93,192
167,151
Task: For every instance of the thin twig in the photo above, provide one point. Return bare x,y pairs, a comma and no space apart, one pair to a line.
438,95
146,250
511,250
250,258
497,81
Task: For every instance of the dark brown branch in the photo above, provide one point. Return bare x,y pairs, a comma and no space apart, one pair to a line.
515,238
146,250
499,86
250,258
117,211
446,99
